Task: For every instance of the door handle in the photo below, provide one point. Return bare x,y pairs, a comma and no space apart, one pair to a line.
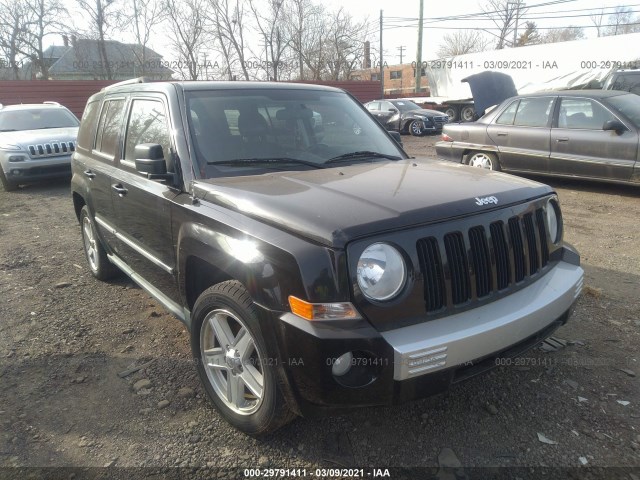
502,134
562,139
89,174
119,189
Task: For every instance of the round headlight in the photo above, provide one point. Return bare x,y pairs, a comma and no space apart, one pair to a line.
381,272
553,220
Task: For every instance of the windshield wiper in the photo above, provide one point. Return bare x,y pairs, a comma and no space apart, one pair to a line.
361,154
274,160
8,130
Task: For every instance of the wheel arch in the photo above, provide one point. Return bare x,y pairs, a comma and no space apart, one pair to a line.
78,203
207,257
468,151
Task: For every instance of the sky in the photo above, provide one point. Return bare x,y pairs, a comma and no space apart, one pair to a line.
395,37
400,21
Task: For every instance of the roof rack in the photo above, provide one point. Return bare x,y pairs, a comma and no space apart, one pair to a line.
131,81
49,102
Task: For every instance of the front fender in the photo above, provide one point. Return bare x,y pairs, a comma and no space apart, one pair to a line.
269,273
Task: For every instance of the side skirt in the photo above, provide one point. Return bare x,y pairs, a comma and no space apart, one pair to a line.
182,313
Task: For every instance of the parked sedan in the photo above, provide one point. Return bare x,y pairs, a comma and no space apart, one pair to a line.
404,116
577,133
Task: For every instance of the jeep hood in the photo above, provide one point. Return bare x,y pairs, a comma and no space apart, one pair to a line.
336,205
23,138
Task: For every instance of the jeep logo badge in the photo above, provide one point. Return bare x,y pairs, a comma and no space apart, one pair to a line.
486,200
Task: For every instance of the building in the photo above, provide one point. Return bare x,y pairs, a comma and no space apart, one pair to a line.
399,80
82,59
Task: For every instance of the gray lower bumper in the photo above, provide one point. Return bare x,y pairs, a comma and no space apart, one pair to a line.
447,342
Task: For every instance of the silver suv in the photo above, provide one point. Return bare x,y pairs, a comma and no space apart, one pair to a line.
36,142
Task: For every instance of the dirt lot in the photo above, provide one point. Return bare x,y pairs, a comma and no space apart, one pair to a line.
64,337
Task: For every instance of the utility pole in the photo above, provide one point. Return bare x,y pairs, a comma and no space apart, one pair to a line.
515,30
419,51
381,61
401,48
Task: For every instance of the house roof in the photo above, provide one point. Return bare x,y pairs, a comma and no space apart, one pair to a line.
55,51
84,57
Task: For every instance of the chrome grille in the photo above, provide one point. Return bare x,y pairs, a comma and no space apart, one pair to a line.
51,149
471,265
440,120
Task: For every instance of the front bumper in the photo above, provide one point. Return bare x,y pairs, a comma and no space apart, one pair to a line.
426,358
30,170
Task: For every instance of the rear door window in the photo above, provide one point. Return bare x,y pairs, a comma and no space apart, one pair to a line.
534,112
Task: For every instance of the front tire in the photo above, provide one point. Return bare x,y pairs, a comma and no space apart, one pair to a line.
233,360
8,186
415,128
485,160
99,264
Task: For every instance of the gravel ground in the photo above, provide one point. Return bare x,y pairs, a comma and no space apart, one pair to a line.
64,337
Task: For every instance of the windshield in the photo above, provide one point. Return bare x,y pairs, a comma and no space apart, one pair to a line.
628,105
36,119
406,106
236,132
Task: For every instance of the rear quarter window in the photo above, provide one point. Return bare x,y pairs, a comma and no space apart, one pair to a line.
109,127
88,125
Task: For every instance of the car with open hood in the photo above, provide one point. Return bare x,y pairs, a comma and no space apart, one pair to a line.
315,269
590,134
36,143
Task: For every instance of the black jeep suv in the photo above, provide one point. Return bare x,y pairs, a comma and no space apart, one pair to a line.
315,267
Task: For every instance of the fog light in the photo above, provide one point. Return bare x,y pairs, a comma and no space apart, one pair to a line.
342,364
16,172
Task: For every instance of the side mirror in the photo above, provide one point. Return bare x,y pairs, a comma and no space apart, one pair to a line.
149,159
396,136
615,125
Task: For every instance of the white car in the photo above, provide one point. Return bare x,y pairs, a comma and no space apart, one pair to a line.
36,143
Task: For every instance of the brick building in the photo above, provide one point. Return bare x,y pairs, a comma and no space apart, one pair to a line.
399,80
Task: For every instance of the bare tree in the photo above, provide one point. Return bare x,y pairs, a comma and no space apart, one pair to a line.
562,35
270,21
598,19
307,24
344,44
504,14
189,34
102,16
13,25
228,19
530,36
461,42
144,17
622,21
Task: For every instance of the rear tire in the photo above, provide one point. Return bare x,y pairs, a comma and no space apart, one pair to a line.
99,264
232,360
485,160
452,113
8,186
467,113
